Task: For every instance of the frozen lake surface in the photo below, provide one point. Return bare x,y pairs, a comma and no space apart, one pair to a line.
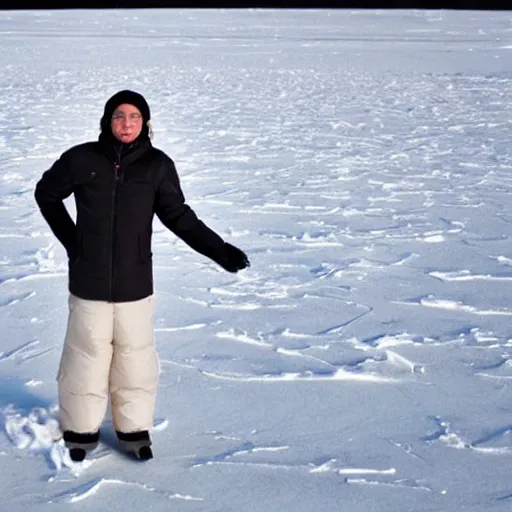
363,161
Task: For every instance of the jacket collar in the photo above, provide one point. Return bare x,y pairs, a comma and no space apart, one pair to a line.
122,154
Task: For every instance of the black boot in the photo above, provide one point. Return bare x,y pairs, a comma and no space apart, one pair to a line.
144,453
79,444
77,454
137,444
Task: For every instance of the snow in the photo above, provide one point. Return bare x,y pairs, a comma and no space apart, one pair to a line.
362,159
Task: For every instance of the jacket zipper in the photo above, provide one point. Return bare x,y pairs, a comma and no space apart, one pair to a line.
117,168
112,232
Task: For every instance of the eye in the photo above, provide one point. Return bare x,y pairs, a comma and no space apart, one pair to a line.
120,116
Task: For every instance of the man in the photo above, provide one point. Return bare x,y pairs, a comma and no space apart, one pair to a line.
119,183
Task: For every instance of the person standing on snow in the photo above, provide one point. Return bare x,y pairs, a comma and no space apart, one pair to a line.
119,183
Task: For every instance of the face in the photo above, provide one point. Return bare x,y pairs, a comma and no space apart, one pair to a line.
126,123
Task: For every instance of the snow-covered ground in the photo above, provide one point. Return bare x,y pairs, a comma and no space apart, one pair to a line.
363,159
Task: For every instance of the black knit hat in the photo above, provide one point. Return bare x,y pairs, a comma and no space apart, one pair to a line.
131,98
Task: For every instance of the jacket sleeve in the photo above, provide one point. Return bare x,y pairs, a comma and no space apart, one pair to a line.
55,185
176,215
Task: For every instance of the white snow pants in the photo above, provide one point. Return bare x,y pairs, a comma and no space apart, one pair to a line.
109,352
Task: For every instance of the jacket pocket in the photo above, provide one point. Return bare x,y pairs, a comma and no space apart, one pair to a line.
91,248
84,176
145,254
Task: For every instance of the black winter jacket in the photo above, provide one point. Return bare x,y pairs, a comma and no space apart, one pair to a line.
116,197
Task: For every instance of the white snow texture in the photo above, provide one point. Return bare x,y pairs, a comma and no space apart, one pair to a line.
362,159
